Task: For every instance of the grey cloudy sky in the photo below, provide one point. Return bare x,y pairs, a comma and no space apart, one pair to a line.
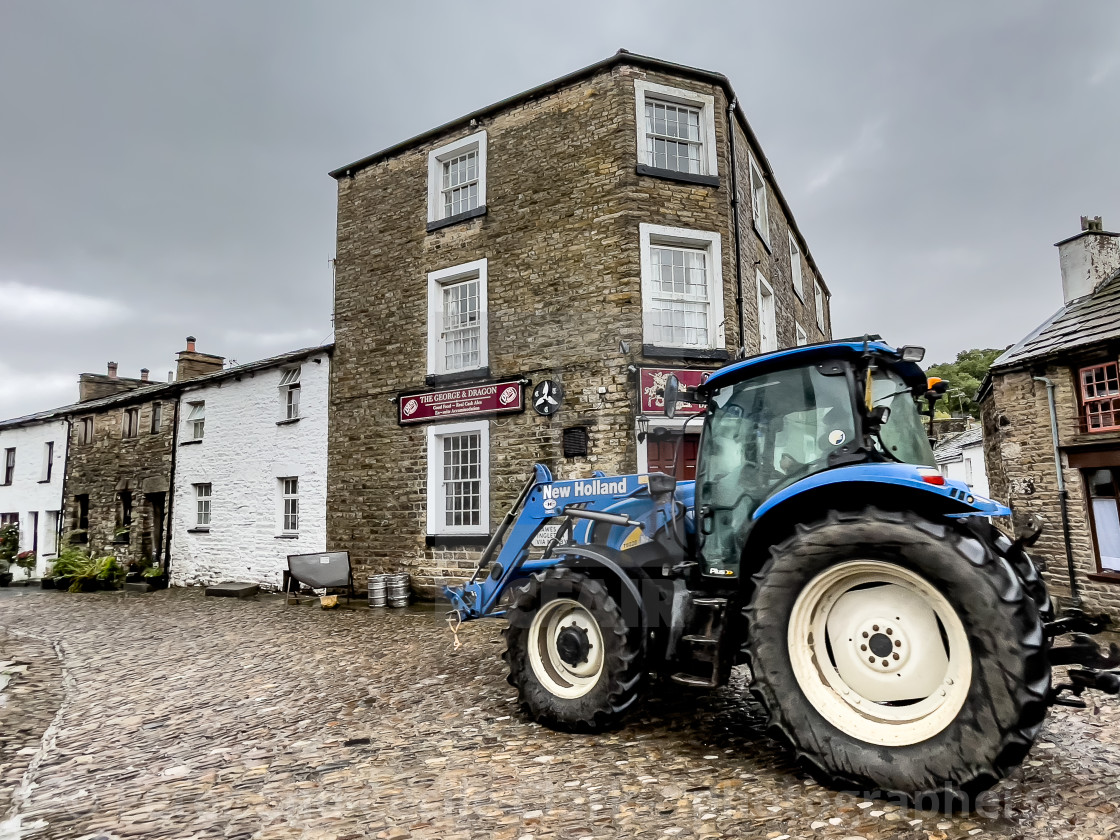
163,164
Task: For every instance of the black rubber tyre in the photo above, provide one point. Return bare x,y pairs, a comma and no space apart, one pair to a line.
1004,706
622,677
1020,561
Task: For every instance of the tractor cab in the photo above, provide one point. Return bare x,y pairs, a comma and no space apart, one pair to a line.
776,420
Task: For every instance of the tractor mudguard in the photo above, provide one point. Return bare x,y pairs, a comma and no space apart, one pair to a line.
614,562
945,494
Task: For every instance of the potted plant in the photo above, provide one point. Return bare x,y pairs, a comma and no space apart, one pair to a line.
9,547
26,561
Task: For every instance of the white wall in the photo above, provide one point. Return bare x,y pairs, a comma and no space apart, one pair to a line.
28,493
958,470
243,454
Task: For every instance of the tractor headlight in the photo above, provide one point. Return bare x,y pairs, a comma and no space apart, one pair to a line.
911,353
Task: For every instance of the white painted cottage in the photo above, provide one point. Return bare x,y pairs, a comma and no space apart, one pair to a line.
32,472
250,483
961,457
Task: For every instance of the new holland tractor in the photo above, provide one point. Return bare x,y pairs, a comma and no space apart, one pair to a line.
897,640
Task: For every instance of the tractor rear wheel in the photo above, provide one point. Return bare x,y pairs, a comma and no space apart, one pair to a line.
898,654
576,665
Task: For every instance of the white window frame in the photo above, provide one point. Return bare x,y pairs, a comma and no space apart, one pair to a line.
802,336
196,424
85,430
767,342
760,203
678,96
156,422
437,157
819,305
435,512
290,392
48,461
199,498
795,267
436,281
701,240
286,496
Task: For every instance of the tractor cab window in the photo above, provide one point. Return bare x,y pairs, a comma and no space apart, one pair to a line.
903,437
761,435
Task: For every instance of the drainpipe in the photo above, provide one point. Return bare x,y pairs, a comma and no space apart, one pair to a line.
1063,493
735,220
168,507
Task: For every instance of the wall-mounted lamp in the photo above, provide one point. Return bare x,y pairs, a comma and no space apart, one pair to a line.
643,427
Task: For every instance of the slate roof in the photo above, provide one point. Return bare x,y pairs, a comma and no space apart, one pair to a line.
157,388
1081,323
950,449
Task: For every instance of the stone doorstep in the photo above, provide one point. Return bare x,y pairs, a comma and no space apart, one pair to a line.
232,589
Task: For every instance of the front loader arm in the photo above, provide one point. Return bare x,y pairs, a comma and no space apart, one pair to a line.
620,502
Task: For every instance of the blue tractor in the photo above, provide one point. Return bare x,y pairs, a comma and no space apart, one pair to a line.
896,639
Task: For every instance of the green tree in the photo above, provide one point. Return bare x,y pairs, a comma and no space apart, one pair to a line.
964,377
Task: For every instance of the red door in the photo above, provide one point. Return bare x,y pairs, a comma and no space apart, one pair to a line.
660,452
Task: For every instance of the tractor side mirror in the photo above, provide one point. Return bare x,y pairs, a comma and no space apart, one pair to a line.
672,394
880,414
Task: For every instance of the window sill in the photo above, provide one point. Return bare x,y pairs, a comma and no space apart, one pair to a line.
654,352
458,217
457,376
683,177
198,530
287,536
189,442
1105,577
289,421
119,542
44,481
765,240
457,540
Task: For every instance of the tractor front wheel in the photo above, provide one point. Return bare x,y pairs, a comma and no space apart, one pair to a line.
898,654
574,662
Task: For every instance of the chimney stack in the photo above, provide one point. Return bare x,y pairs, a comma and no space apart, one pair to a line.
191,363
144,374
112,370
1088,259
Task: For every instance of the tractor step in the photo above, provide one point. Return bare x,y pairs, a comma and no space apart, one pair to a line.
693,681
700,640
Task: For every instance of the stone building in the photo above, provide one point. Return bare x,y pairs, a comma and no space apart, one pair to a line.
250,482
1074,355
513,286
119,467
31,475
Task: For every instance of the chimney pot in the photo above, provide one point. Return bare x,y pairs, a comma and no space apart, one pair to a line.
190,343
112,370
144,374
171,376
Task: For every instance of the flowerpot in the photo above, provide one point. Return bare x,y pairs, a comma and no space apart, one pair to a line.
63,582
5,579
47,582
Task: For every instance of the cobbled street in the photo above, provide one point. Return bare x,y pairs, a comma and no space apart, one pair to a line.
172,715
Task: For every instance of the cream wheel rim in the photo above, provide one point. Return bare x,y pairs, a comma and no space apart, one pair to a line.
563,672
879,652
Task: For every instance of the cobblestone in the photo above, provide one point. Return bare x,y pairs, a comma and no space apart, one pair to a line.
179,716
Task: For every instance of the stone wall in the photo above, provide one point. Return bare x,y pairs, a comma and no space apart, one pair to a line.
1019,454
248,446
561,240
111,463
